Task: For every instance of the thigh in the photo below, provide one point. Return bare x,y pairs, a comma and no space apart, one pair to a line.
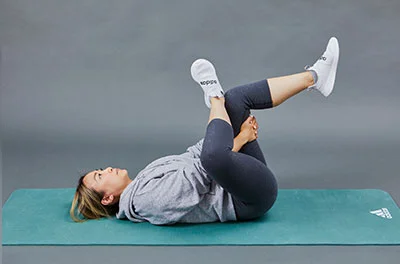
256,184
258,191
245,212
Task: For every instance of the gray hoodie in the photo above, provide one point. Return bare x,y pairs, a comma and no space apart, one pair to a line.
176,188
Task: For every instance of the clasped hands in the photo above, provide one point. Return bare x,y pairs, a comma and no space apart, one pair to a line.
249,129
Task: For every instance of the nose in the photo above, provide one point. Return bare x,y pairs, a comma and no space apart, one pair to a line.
114,170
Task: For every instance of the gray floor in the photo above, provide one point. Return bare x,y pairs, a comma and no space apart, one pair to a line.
87,84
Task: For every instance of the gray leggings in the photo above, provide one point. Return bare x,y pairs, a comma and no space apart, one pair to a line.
243,174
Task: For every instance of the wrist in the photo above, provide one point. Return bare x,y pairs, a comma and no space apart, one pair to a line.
242,138
238,142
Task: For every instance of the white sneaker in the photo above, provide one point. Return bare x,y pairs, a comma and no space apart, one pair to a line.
325,67
203,72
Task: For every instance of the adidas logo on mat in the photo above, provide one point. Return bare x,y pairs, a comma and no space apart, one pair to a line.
383,212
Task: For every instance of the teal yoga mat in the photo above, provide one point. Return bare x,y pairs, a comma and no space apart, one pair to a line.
299,217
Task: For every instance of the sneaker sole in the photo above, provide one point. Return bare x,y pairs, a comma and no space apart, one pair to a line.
196,77
330,82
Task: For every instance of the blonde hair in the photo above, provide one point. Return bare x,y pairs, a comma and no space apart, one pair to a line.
87,202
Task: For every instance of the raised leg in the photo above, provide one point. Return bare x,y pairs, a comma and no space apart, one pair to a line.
235,107
282,88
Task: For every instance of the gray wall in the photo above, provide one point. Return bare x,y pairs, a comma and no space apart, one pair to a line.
101,70
87,84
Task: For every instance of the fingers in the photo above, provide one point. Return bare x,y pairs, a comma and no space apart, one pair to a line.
253,120
255,124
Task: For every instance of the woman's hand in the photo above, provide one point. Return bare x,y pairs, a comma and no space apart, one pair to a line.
249,129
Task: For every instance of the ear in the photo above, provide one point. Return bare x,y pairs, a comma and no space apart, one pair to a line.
107,200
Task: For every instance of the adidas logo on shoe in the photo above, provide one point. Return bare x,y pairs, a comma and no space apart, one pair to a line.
208,82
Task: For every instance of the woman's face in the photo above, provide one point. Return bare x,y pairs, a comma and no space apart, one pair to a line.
111,181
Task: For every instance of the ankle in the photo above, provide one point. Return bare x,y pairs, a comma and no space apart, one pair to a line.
309,78
217,100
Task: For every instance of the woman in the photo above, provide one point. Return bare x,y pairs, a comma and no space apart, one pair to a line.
224,176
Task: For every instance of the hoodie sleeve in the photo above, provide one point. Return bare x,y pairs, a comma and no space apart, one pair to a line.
194,151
